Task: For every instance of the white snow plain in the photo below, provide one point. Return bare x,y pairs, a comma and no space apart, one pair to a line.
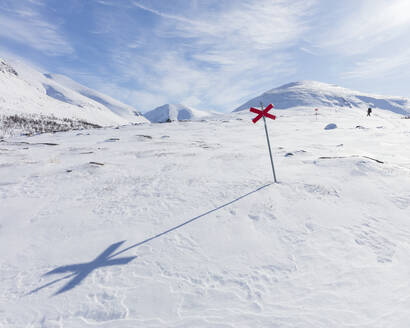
90,245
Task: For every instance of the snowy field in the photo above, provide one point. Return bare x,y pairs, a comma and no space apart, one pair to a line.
90,245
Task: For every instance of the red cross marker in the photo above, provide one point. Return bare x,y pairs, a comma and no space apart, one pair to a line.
262,113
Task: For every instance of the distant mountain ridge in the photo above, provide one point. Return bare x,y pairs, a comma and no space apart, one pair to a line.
125,111
175,112
26,91
319,94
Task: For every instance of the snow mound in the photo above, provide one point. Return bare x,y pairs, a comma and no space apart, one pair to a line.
318,94
175,112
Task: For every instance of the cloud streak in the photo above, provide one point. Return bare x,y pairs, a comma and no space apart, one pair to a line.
24,25
376,67
162,14
238,48
368,24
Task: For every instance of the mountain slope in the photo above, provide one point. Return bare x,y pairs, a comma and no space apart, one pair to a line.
318,94
175,112
26,91
117,107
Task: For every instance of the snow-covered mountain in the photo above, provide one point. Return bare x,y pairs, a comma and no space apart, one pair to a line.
125,111
26,91
318,94
175,112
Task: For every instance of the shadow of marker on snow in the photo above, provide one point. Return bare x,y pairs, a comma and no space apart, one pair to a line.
190,221
80,271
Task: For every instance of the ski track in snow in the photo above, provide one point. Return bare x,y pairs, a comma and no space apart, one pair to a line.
329,246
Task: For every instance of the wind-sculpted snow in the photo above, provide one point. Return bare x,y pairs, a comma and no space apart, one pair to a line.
180,225
317,94
53,93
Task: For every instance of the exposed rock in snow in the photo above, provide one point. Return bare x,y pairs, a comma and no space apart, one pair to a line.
331,126
6,68
175,112
318,94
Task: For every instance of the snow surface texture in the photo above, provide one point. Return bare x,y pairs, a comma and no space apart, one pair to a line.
318,94
24,90
92,229
175,112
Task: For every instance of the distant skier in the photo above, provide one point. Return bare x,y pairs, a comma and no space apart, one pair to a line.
369,111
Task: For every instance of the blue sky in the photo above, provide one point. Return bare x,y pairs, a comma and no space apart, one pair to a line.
211,54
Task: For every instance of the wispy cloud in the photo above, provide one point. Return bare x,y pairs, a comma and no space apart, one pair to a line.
24,24
364,26
236,47
380,67
162,14
213,54
262,24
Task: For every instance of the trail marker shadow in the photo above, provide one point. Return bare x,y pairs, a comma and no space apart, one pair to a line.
191,220
80,271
